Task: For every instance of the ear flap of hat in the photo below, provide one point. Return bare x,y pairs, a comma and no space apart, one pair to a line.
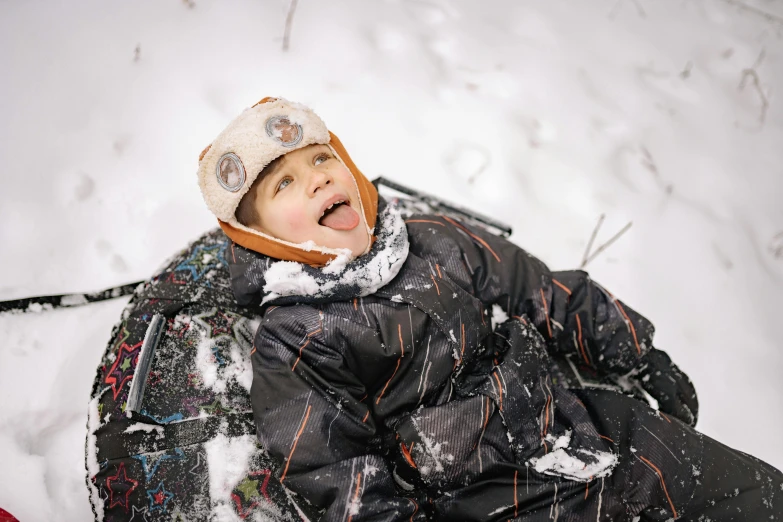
368,194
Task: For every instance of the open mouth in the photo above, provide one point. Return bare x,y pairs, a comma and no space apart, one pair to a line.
339,216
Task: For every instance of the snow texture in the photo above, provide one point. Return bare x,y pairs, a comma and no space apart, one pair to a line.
228,461
148,428
576,464
543,115
367,273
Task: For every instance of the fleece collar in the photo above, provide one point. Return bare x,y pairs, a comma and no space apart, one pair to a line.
258,279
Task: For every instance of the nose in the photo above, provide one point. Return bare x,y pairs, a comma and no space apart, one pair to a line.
318,181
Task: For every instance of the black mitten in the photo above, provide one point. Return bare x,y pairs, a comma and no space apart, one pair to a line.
673,390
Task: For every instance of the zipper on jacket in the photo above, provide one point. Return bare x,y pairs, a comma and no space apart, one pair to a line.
139,380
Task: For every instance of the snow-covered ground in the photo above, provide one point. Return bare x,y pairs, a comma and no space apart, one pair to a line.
544,114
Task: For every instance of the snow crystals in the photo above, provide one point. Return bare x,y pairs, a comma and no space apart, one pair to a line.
367,273
563,461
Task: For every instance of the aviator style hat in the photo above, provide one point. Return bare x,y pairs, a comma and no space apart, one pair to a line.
232,162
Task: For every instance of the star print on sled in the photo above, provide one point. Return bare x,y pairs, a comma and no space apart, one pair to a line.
5,516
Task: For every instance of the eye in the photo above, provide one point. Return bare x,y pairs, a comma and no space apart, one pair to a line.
284,183
321,158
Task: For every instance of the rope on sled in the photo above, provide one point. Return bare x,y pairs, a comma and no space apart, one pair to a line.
50,302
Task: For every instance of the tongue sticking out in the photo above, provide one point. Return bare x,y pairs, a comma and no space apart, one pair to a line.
341,217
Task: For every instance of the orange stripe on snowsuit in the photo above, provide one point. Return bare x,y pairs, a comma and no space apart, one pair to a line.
436,283
356,494
663,484
579,337
438,269
474,236
546,311
415,510
296,441
365,416
387,382
607,438
309,336
516,502
627,321
407,454
402,346
561,285
546,419
500,387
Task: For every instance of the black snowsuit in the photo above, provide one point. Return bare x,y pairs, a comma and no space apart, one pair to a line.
405,404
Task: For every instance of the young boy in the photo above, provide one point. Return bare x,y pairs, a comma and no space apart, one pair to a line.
385,391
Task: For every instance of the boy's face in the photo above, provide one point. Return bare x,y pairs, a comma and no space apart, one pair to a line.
300,200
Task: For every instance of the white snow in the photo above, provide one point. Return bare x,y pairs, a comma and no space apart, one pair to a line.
228,461
543,115
73,300
285,278
147,428
562,462
499,316
239,368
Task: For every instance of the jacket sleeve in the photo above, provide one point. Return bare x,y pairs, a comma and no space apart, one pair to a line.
311,418
573,313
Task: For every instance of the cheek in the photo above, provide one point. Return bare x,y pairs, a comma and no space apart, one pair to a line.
294,218
344,177
287,221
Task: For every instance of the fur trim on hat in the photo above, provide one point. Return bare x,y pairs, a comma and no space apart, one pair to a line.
247,137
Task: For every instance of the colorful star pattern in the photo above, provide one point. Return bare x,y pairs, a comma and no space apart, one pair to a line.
172,278
159,497
216,357
191,403
219,323
202,259
194,380
154,378
150,463
178,328
216,408
120,487
122,369
251,493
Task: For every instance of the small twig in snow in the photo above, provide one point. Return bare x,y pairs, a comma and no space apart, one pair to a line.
686,72
592,239
607,244
137,53
648,162
745,7
776,246
754,76
288,21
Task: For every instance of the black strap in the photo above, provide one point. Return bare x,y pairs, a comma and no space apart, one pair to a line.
438,205
50,302
114,441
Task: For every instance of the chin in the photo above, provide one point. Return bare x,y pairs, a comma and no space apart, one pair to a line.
356,246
